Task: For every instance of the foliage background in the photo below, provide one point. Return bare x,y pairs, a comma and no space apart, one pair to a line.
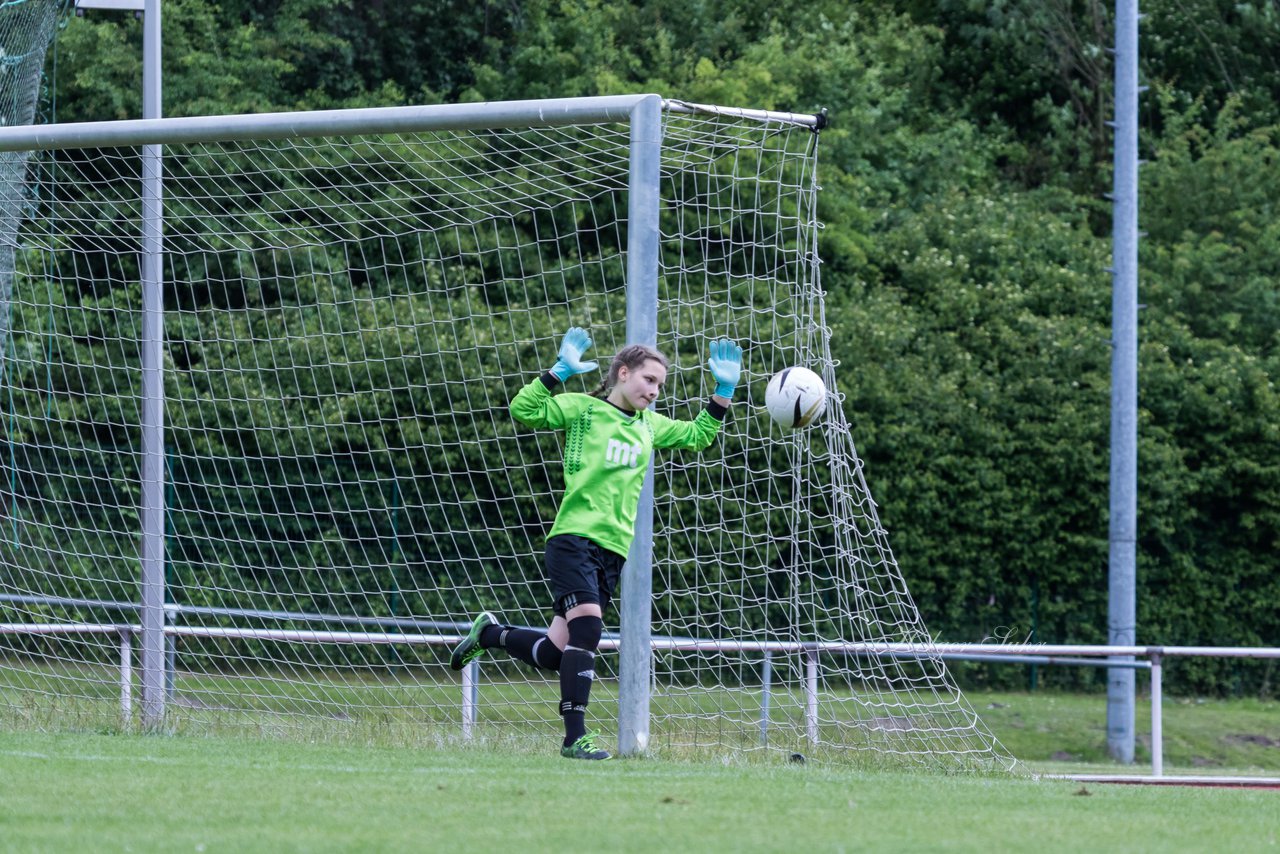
964,254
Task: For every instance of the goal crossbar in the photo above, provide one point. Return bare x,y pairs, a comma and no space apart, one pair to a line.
363,121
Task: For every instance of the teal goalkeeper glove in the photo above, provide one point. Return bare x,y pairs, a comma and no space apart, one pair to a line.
575,343
725,365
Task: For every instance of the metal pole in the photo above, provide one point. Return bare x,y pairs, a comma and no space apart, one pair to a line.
766,680
126,679
470,678
1157,716
170,651
635,653
153,475
811,695
1121,611
322,123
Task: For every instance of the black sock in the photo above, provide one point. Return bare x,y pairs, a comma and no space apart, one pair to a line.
491,636
577,671
533,648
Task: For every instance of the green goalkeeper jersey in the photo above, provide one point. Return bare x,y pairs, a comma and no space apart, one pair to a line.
606,454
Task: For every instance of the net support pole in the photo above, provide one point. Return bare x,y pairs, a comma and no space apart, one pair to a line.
1157,716
766,686
152,610
470,698
126,679
1121,609
811,695
635,652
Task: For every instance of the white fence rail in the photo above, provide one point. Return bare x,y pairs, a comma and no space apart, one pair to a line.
1064,654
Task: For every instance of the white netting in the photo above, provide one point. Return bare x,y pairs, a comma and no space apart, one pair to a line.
346,321
26,30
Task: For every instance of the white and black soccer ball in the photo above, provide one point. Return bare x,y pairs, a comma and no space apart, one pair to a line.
795,397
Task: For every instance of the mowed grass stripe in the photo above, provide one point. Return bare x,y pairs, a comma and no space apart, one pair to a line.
153,793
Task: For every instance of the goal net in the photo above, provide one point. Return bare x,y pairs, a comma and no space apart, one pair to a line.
26,30
346,317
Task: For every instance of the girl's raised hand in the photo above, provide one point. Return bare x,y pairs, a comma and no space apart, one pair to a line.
725,365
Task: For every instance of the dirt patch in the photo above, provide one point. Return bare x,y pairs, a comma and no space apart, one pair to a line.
1252,738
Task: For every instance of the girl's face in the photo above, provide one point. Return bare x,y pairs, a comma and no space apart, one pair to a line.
638,387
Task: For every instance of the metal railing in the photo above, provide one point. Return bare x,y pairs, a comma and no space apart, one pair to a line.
1062,654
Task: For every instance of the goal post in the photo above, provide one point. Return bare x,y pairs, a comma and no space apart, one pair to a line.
635,604
350,300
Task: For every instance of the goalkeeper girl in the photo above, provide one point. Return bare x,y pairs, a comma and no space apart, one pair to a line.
609,436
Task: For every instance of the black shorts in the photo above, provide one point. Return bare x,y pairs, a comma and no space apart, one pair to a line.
581,573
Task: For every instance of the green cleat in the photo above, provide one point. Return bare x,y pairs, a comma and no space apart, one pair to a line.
469,649
585,748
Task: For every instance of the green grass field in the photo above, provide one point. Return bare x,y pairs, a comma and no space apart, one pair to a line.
400,779
1050,731
103,792
1046,730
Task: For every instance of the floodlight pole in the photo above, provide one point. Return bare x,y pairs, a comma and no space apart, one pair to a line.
1121,610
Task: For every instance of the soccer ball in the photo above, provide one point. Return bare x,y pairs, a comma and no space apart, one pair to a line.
795,397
